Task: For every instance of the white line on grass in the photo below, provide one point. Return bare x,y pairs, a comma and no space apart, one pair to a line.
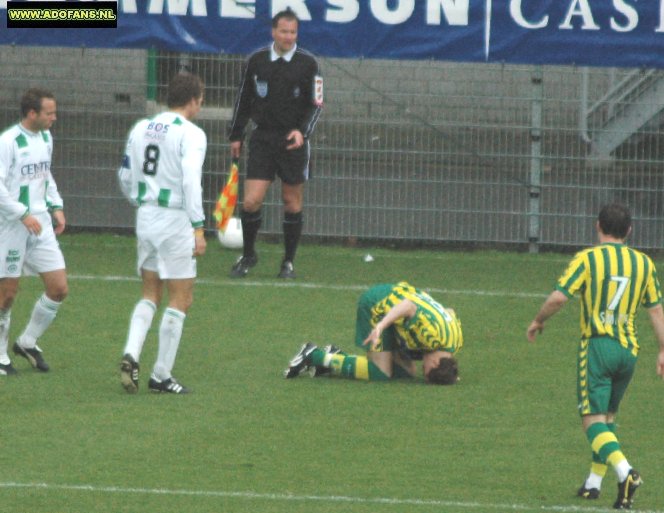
324,286
304,498
359,252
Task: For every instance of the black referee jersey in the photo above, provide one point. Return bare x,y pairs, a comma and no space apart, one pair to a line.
279,95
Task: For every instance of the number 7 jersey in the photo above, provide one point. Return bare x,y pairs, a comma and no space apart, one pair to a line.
612,280
163,165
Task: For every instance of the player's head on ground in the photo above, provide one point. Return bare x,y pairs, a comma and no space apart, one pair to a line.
185,93
440,368
615,221
284,31
38,109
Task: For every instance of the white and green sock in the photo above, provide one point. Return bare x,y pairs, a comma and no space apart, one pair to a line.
5,321
139,325
170,332
43,314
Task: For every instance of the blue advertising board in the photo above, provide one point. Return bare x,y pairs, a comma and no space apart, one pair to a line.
623,33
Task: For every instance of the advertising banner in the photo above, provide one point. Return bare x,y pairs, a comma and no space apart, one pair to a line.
622,33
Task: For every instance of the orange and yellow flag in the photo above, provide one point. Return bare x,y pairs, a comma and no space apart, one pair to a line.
225,207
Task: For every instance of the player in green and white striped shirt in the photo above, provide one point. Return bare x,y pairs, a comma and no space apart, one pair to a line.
29,204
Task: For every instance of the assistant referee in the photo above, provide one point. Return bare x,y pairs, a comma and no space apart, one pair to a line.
282,93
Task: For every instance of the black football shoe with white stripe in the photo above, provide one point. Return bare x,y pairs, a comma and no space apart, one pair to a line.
129,373
300,362
33,355
169,386
7,369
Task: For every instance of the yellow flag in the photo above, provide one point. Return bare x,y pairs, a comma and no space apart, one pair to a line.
227,198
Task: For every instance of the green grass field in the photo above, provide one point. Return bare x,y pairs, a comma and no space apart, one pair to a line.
507,438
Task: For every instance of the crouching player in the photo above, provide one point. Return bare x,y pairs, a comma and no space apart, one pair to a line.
395,325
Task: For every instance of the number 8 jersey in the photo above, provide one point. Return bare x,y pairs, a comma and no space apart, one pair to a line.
163,165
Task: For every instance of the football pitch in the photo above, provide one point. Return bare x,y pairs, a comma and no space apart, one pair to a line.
505,439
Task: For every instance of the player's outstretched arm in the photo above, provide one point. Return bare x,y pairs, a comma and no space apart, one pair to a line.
551,306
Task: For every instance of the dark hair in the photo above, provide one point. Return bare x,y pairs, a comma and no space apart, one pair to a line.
286,15
615,220
32,100
183,88
447,372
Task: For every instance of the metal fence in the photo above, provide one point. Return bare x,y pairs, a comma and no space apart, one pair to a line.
408,152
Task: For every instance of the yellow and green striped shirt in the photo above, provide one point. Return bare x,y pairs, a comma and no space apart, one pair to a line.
612,281
432,328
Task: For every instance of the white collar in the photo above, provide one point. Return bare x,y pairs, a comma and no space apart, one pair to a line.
287,56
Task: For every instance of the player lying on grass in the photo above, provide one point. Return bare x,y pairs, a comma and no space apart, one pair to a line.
395,324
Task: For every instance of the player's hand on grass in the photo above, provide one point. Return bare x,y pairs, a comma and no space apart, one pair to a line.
374,337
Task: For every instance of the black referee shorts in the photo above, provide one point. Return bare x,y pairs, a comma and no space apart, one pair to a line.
268,158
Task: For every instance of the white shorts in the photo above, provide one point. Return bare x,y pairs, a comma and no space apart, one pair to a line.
165,243
24,254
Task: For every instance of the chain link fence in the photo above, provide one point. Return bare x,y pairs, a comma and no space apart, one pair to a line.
406,152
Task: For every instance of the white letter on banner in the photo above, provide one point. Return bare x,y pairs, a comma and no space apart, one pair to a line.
347,11
178,7
661,17
630,13
128,6
584,10
517,16
392,17
237,9
299,7
456,12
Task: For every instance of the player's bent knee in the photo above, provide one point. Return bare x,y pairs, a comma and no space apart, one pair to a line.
58,294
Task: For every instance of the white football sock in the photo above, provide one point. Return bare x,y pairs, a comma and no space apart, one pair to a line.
5,320
170,332
593,481
139,325
622,469
43,314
